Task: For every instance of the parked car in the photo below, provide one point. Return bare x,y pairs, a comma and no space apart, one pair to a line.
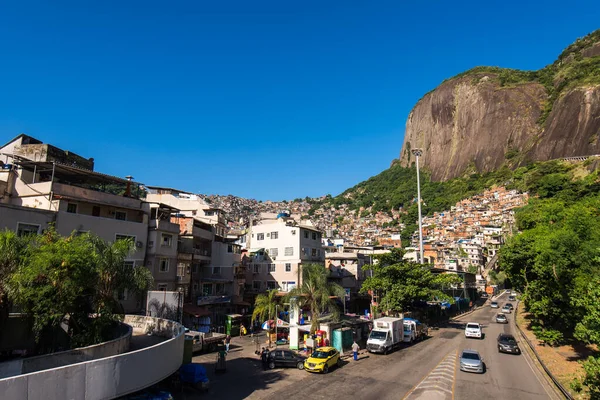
285,358
322,359
501,319
508,344
473,329
494,304
471,361
506,310
484,295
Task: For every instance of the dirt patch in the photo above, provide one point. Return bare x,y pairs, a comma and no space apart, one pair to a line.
562,361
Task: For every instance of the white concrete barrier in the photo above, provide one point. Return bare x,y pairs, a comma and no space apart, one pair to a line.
108,377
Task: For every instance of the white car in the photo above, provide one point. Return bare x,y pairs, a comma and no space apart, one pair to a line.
494,304
506,310
473,329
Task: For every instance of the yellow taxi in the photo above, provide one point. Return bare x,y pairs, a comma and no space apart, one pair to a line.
322,359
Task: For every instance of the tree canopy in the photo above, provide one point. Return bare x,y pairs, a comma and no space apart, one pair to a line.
400,283
71,281
555,259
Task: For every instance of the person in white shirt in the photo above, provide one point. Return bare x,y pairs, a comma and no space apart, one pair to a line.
355,348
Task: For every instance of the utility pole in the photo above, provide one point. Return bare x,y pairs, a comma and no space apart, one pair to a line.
276,318
417,153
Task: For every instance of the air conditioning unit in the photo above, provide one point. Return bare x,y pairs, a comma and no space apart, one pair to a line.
273,258
268,235
139,244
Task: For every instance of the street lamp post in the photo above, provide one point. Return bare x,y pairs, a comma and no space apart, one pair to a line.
417,153
276,316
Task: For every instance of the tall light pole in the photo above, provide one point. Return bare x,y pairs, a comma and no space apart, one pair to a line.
276,318
417,153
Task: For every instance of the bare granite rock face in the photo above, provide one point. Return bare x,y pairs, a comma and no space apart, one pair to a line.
573,126
472,122
489,117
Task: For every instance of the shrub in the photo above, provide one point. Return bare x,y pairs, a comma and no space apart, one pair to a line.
548,336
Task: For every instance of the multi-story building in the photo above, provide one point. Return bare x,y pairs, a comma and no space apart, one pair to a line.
74,197
345,269
161,253
278,248
190,205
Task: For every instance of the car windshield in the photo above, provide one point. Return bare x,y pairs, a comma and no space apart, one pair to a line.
494,303
378,335
501,316
472,326
510,340
320,354
470,356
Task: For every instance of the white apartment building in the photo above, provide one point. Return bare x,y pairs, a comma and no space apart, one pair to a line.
278,248
474,252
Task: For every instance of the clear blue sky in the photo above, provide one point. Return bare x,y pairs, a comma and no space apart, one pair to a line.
270,100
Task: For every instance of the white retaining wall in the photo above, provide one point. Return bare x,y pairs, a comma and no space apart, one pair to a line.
109,377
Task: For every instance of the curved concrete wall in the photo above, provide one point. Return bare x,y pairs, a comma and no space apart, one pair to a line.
108,377
101,350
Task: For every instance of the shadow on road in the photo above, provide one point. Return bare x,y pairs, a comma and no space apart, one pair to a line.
242,377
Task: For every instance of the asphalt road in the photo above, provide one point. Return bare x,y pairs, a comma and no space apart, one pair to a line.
427,370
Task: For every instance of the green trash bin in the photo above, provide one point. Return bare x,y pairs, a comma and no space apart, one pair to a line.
188,347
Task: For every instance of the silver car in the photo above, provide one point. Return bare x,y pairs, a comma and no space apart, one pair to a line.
471,361
501,319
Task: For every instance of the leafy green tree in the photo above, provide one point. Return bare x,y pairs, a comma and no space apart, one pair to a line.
588,329
265,307
52,285
400,282
317,293
592,376
12,252
73,281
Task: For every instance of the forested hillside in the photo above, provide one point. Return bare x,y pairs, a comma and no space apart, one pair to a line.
555,260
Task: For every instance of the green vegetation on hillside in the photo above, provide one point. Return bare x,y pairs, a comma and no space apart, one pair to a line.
555,261
396,188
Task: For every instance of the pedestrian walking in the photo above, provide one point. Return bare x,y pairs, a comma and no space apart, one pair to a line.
355,348
264,356
227,341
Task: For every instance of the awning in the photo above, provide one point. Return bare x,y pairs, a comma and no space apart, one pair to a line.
270,325
195,311
256,250
304,328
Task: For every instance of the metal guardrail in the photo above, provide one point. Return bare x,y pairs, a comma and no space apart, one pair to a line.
560,387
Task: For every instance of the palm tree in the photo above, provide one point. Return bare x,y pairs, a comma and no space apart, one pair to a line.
12,251
265,306
317,293
114,276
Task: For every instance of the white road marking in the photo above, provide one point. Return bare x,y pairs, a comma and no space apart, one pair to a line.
439,382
